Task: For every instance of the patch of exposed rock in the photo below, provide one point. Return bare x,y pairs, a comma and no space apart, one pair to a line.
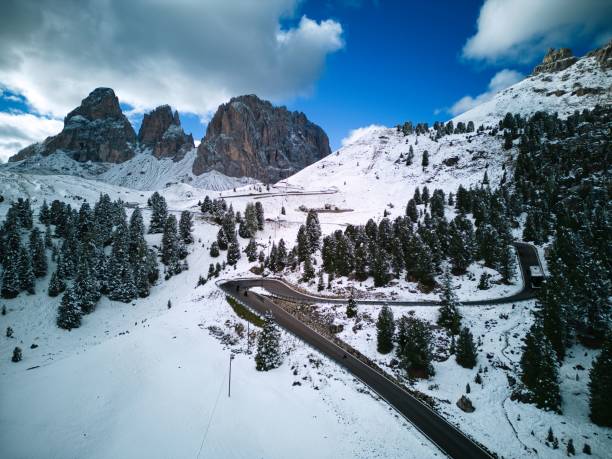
603,55
555,60
248,137
96,131
161,131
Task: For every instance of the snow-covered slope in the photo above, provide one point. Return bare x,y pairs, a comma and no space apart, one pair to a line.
583,85
142,172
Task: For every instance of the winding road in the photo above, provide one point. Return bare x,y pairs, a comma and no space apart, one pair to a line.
447,437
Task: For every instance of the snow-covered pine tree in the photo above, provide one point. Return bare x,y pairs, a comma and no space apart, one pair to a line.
449,316
260,215
411,210
351,306
465,349
303,250
268,354
425,159
170,248
38,254
313,231
321,281
414,346
540,373
86,286
222,241
600,385
380,266
56,285
385,330
361,262
11,282
120,277
233,253
68,312
461,244
159,213
186,227
214,249
309,271
27,280
17,355
251,222
44,215
553,315
48,237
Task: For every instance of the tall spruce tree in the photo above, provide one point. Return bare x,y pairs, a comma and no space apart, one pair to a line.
68,312
159,213
351,307
11,282
313,231
233,253
186,227
27,280
120,278
385,330
260,215
600,384
414,346
38,254
268,354
56,284
449,316
465,352
170,248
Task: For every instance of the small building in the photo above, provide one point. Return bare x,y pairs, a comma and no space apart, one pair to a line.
537,276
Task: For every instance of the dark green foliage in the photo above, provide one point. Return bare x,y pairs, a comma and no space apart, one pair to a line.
571,450
309,271
425,159
465,349
540,369
69,313
120,277
313,231
268,354
17,355
260,215
186,227
414,346
351,307
214,249
38,254
483,282
159,213
250,250
600,385
385,330
411,210
449,316
56,285
233,253
27,279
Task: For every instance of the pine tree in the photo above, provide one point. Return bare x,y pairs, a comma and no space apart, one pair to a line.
214,249
466,350
233,253
303,246
159,213
27,279
600,385
120,277
449,315
268,354
380,267
260,215
540,369
553,315
222,241
48,237
170,249
351,307
250,251
56,285
11,281
483,283
461,244
37,254
414,346
86,287
385,330
44,215
309,271
425,159
68,312
411,211
571,450
361,263
17,355
313,231
186,227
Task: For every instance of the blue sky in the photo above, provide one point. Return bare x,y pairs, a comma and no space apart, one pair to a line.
345,63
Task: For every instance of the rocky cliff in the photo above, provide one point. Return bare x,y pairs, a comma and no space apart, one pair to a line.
161,132
248,137
96,131
556,60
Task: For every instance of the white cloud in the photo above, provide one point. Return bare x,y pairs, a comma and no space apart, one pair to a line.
523,29
18,130
191,54
358,133
500,81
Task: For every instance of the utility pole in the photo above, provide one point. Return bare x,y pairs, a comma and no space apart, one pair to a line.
248,338
229,383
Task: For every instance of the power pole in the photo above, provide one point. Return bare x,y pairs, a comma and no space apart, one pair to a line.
229,383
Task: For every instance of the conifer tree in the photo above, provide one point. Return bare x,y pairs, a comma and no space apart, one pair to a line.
449,315
380,267
159,213
68,312
86,287
483,283
222,241
48,237
540,369
120,278
250,250
56,285
268,354
11,281
321,281
37,254
425,159
214,249
44,215
417,196
17,355
411,210
27,280
553,315
233,253
385,330
260,215
309,271
361,263
170,249
351,307
303,246
186,227
465,349
600,385
414,346
313,231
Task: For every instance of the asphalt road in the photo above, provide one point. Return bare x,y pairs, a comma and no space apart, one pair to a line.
444,435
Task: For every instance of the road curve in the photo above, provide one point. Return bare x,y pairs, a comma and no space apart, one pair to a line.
527,253
449,439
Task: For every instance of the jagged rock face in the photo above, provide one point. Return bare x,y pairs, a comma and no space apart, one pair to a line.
161,131
248,137
96,131
555,61
603,55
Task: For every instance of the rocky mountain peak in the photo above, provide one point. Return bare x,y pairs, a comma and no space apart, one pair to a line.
161,131
249,137
603,55
97,130
555,60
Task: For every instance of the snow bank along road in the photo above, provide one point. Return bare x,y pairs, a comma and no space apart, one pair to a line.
443,434
528,256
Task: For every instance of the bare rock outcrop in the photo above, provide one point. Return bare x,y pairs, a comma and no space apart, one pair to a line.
556,60
603,55
161,131
95,131
248,137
